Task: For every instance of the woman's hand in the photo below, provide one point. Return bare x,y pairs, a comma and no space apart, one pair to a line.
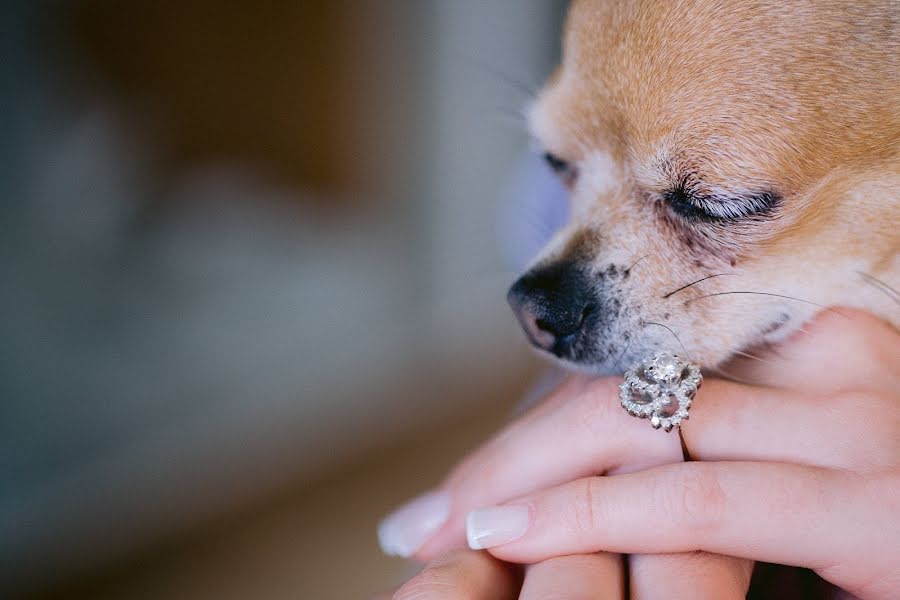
468,575
817,483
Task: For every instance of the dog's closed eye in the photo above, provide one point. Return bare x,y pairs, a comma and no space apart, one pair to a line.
692,204
565,170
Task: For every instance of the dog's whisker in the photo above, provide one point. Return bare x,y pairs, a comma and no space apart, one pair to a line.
621,356
822,306
532,219
773,349
505,273
881,286
530,91
506,123
684,287
537,226
753,357
719,372
669,329
511,115
634,264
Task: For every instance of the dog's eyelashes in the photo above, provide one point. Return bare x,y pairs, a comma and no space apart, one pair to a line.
556,164
731,208
563,168
683,202
690,204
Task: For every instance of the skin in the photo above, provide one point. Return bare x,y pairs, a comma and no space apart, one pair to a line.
782,116
808,457
467,575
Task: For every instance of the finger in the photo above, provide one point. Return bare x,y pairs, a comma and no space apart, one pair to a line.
580,577
807,359
580,430
462,576
782,513
697,575
736,422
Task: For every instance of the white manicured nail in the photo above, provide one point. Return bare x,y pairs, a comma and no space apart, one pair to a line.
406,529
496,525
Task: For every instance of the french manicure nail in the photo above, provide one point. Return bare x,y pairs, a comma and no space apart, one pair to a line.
406,529
495,525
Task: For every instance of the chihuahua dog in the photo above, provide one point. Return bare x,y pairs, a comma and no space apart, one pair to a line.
733,168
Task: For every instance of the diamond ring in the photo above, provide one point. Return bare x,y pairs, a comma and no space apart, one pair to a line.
661,388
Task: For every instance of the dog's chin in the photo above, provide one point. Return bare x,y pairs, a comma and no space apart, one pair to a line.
619,361
592,359
595,354
585,368
615,360
626,359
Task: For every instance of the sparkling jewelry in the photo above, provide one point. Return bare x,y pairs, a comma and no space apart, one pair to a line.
661,389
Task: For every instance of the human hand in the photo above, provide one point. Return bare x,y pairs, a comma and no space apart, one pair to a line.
469,575
816,418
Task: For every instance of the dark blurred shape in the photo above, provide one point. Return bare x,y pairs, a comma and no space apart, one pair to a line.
311,92
183,336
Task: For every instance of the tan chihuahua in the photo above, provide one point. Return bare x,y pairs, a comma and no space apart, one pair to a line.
733,168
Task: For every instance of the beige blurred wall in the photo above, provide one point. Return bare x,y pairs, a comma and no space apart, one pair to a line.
315,541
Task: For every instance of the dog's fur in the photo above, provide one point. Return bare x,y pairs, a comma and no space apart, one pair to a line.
780,120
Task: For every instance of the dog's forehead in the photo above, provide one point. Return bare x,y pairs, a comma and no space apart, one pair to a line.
649,71
749,86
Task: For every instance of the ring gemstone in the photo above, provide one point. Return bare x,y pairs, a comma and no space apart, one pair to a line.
661,388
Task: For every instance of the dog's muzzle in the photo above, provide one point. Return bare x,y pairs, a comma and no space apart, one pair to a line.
553,303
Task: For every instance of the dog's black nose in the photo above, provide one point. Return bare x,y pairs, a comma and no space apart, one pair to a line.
552,303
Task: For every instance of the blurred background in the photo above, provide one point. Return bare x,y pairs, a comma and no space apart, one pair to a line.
253,265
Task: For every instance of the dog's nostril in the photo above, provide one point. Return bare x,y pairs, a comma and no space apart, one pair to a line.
585,313
553,303
561,325
545,325
539,330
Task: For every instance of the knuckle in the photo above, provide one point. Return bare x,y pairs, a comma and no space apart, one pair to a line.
460,575
871,340
885,492
857,403
868,343
693,497
558,594
435,582
875,417
594,404
585,510
594,416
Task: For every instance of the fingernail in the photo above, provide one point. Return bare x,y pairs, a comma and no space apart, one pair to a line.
489,527
406,529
